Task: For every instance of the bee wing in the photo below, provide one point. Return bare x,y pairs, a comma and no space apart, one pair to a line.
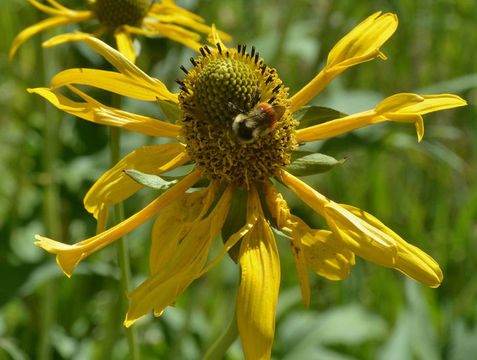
279,111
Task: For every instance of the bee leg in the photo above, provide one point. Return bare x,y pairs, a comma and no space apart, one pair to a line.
256,96
235,109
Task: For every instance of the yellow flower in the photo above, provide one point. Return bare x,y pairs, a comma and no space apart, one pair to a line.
123,17
237,126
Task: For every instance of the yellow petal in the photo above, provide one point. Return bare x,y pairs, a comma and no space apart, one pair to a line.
359,236
429,103
324,252
253,209
96,112
49,23
58,9
337,127
214,38
280,211
68,256
162,288
131,81
397,102
409,260
107,80
170,13
367,237
125,44
57,5
45,8
176,33
363,42
139,30
360,45
115,186
258,291
403,107
312,198
180,19
61,39
175,222
169,7
277,206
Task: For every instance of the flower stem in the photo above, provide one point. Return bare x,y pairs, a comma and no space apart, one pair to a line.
122,249
51,121
222,344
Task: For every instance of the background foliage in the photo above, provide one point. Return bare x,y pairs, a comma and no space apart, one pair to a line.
427,192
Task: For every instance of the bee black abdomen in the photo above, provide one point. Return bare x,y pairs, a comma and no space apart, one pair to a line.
245,132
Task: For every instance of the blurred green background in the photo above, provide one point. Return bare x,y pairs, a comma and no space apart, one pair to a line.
426,192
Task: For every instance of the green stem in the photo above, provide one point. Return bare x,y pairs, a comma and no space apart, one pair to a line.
122,249
47,292
222,344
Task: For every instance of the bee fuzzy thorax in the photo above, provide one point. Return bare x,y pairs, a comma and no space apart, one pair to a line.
236,123
258,122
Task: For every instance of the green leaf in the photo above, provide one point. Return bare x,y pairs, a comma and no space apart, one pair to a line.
151,181
170,110
313,115
349,325
307,163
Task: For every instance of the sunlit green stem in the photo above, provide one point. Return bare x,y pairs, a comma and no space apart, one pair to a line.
122,250
223,343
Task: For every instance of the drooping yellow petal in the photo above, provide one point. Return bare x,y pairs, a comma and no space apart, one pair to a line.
125,43
68,256
359,45
403,107
410,260
169,7
168,12
96,112
115,185
61,39
324,253
362,238
57,9
49,23
139,30
107,80
131,81
162,288
46,9
359,236
253,208
175,222
57,5
176,33
281,213
183,20
258,290
367,237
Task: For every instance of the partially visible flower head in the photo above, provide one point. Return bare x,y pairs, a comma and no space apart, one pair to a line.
124,18
225,97
114,13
